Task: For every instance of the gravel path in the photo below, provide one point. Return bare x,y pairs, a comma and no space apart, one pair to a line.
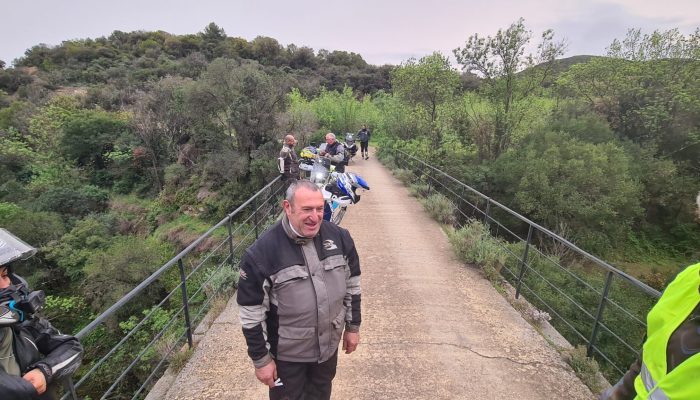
431,329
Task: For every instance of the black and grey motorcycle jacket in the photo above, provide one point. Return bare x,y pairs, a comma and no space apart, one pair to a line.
337,153
37,344
291,162
296,295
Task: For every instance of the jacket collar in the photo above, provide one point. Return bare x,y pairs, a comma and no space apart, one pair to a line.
292,233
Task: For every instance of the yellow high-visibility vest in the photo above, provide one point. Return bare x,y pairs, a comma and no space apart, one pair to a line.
675,305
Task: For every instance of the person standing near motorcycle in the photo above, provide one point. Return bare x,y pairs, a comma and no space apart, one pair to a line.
299,297
363,136
290,160
34,356
335,151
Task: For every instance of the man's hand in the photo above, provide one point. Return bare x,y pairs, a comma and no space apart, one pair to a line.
267,374
37,379
350,341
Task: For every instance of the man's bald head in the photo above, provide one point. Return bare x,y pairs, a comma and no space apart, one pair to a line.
289,139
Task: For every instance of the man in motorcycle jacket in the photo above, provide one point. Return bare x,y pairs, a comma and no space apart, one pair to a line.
290,168
335,151
34,356
299,297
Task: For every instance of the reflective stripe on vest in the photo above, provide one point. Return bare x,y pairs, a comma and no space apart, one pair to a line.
649,383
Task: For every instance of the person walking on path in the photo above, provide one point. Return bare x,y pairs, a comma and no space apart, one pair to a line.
34,356
669,366
363,136
290,160
298,294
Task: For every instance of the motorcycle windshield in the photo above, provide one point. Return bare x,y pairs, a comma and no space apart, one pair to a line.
319,174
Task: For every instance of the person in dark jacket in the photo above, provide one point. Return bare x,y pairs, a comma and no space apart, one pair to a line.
290,168
335,151
363,136
298,295
34,356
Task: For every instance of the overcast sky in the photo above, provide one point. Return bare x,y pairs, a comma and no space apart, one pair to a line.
382,31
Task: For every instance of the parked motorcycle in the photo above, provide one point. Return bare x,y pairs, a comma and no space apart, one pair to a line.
339,189
350,147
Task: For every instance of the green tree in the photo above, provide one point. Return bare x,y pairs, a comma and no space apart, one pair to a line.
299,117
581,188
301,57
338,112
500,60
266,50
120,267
72,201
649,90
212,36
162,122
242,100
426,84
73,249
89,136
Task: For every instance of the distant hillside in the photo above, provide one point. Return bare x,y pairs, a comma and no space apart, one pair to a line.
560,66
564,64
472,81
132,57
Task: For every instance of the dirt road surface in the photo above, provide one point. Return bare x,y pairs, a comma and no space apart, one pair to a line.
431,328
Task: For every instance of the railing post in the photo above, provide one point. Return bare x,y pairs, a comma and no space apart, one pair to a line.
523,262
185,303
599,314
487,214
71,388
463,215
255,217
230,243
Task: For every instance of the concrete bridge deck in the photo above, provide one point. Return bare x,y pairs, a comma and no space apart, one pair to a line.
432,328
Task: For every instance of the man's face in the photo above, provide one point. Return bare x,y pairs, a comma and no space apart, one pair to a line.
330,139
306,214
4,278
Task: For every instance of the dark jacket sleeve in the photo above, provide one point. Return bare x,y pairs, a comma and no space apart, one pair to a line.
15,388
624,388
62,353
252,306
354,293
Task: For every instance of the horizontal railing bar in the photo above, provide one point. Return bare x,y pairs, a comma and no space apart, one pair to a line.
121,302
595,348
138,357
572,301
567,243
585,339
565,270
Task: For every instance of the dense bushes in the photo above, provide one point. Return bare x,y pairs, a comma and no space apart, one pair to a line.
73,202
556,179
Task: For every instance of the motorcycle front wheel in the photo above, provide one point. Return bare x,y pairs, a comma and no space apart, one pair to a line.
338,214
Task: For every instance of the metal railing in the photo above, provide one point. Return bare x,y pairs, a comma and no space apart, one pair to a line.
590,302
129,345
